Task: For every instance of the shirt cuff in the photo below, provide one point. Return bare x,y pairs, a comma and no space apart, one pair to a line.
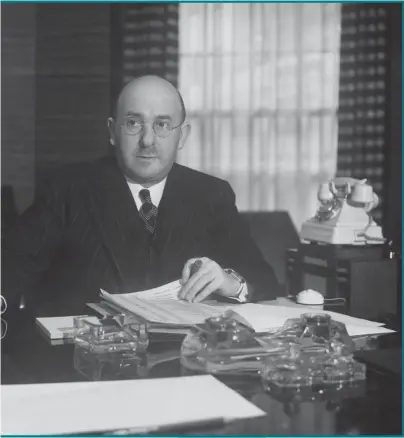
241,294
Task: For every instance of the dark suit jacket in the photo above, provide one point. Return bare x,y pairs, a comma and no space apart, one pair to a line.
84,233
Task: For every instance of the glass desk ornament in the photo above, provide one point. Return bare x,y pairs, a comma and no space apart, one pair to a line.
308,350
111,347
221,345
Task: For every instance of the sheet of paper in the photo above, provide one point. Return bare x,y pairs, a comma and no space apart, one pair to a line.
69,408
189,313
262,317
284,302
167,291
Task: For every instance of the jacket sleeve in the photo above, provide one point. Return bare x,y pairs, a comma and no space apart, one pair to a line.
29,247
236,249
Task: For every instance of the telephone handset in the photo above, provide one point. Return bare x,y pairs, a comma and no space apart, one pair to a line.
343,216
356,192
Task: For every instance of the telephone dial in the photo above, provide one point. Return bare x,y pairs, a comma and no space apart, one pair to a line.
343,217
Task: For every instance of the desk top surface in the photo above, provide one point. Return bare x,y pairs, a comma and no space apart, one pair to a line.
373,407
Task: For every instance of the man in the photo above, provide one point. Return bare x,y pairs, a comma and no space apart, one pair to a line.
135,221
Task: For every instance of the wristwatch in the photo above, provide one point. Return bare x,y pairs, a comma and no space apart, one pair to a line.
239,278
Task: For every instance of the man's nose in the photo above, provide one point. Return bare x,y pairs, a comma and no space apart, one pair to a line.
148,135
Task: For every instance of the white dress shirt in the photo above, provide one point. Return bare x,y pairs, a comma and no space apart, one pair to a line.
156,193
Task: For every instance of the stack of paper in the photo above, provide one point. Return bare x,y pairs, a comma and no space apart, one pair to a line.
140,405
161,305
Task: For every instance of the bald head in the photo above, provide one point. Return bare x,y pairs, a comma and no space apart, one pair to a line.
148,129
150,87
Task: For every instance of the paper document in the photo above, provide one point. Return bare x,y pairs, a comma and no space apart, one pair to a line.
263,317
61,328
143,405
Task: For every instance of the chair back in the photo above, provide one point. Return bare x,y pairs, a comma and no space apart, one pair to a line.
274,233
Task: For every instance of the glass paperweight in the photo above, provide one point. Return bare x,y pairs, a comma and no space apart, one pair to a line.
313,350
110,348
305,351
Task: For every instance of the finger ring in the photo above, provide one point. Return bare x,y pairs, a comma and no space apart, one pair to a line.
195,266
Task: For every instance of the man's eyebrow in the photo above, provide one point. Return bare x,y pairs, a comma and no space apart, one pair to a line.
159,116
163,116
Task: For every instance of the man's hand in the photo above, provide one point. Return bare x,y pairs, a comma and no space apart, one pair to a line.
208,279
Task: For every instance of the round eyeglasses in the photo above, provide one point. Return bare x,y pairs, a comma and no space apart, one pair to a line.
162,127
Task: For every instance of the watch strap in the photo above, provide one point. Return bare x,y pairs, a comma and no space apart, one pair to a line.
242,291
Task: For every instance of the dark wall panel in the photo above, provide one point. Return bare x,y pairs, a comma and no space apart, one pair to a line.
73,83
18,24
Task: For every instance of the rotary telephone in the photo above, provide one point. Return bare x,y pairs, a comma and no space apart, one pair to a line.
343,217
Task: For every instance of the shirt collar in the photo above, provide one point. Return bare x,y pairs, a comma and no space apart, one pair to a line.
156,191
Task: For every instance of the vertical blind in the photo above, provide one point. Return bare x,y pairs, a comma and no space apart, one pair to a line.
260,82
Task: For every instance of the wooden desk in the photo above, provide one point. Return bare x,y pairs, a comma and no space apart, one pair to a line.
372,408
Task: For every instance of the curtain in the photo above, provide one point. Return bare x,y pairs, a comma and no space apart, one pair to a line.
260,82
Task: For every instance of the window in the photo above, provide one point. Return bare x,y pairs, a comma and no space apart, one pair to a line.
260,82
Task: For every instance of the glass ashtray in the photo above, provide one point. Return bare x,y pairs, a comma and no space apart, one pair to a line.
110,348
316,350
221,345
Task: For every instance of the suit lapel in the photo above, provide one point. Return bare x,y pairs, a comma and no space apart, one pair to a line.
173,214
115,214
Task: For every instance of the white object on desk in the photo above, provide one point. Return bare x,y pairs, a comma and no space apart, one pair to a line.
310,297
69,408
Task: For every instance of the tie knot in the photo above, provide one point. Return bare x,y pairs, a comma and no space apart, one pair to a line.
144,195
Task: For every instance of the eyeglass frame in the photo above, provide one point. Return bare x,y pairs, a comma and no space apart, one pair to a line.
143,123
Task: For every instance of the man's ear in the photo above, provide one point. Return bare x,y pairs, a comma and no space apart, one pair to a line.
185,131
111,129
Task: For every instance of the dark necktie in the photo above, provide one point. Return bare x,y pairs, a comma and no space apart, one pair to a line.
148,211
